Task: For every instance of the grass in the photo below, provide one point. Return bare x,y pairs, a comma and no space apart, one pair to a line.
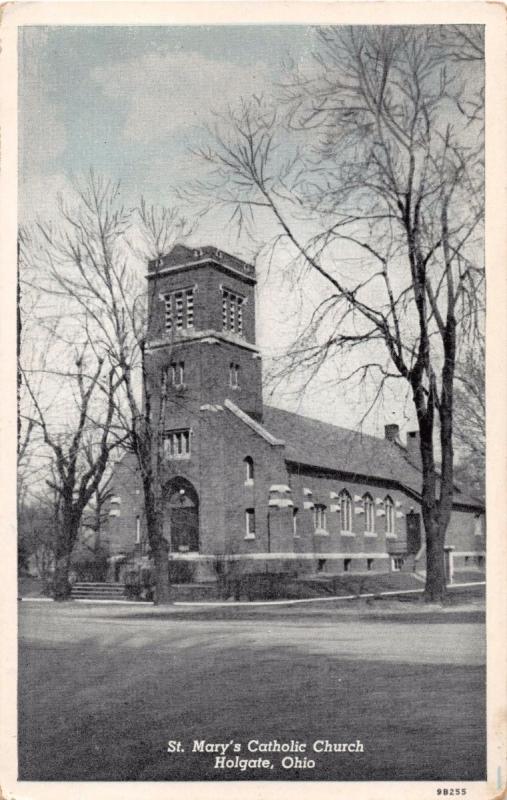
102,689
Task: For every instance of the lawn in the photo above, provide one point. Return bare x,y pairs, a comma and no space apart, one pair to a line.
103,688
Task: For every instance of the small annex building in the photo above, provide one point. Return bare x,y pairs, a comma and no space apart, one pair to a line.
252,483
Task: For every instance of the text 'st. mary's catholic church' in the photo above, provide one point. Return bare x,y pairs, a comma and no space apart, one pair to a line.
261,486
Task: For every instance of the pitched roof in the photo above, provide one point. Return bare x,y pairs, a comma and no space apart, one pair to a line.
252,423
319,444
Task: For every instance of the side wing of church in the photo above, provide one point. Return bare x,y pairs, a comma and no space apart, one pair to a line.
251,483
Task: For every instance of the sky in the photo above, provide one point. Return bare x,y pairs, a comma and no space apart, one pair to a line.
130,102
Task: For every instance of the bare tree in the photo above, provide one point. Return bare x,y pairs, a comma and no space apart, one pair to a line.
93,257
38,519
97,513
470,418
76,479
371,177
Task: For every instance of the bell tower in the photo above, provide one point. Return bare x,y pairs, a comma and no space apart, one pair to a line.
201,329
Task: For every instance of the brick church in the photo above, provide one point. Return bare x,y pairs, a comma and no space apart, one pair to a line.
254,484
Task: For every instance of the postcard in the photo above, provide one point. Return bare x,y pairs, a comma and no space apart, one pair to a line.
253,423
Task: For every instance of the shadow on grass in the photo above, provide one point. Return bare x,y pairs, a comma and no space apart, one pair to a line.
329,616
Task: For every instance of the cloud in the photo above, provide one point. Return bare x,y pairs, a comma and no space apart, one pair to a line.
162,93
42,131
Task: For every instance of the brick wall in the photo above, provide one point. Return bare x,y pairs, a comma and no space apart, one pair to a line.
126,487
467,534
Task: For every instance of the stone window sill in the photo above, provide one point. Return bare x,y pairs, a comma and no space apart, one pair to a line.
249,482
391,535
347,533
250,536
321,532
372,534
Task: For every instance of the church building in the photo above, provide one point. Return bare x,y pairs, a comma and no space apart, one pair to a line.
250,483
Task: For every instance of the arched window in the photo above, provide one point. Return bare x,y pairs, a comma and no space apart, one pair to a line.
369,514
249,470
295,522
319,517
234,375
390,523
346,511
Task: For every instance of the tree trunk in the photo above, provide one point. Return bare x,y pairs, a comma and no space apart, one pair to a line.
434,524
162,585
158,544
61,584
436,583
67,534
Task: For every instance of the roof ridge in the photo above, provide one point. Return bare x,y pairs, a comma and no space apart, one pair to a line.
330,424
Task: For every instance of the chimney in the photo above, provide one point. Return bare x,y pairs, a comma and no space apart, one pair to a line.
392,432
413,451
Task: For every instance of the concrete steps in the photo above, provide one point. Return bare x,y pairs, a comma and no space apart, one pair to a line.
98,591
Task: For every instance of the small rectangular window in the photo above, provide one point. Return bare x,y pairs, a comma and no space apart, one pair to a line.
177,373
369,564
250,523
346,564
319,517
177,444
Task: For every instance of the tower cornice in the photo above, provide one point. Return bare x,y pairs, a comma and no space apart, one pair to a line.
225,268
209,336
183,258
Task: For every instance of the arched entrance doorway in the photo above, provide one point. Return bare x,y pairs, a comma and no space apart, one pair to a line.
182,516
